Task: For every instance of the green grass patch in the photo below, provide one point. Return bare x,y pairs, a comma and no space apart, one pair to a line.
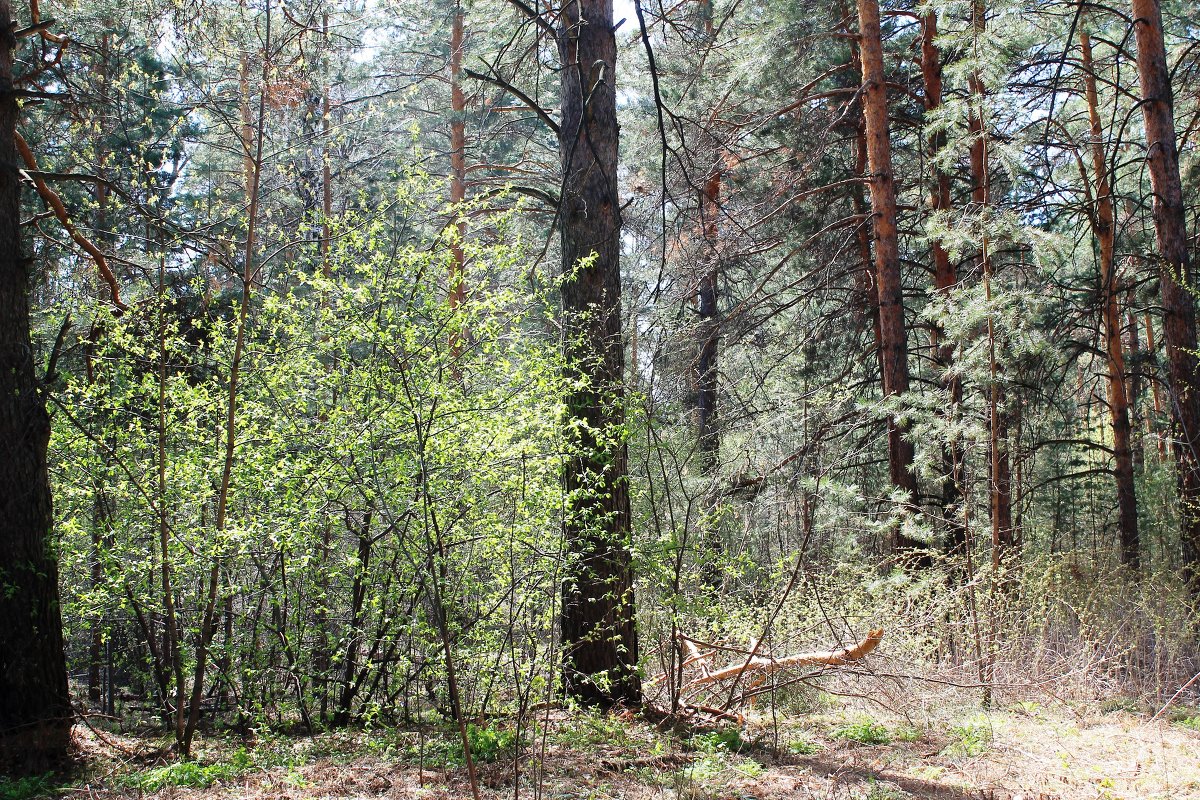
866,731
804,747
1190,722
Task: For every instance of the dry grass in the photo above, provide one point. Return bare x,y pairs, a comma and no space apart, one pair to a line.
1028,751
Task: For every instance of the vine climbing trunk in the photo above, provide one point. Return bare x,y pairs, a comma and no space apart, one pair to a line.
600,647
1175,272
35,709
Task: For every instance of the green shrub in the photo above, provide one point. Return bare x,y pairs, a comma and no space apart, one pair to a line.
804,747
727,740
972,738
866,731
28,787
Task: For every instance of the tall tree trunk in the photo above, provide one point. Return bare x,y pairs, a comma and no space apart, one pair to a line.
945,278
35,709
1104,225
1000,471
709,331
600,648
1155,389
458,169
1175,274
867,295
1137,421
893,336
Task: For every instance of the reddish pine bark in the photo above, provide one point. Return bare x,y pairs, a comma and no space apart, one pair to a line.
945,278
1104,226
893,336
1175,271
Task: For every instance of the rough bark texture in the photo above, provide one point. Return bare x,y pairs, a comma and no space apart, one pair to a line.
1000,471
708,333
945,278
893,336
1179,308
1104,226
600,648
35,709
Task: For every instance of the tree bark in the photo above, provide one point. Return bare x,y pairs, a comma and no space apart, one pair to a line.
945,278
893,336
1175,272
600,648
1000,470
1104,225
709,330
35,709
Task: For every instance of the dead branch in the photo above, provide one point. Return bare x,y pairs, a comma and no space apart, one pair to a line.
55,202
761,666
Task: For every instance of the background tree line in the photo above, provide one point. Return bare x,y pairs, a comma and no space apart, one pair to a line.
386,370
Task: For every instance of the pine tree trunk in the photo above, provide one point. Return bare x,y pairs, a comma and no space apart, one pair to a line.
1175,273
945,278
893,336
35,709
1104,225
709,330
1000,471
600,649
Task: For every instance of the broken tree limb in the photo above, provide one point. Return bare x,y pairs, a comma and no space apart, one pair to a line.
51,198
761,666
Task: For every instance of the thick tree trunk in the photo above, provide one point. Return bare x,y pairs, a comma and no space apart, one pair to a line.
600,648
1175,273
35,709
893,336
945,278
1104,226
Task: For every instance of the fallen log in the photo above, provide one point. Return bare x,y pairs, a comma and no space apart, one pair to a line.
758,667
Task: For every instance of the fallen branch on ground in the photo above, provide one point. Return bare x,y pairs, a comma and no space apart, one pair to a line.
761,666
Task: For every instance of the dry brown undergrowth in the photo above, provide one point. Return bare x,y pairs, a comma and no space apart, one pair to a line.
1027,751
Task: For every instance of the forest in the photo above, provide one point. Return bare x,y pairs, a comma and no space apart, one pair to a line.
709,399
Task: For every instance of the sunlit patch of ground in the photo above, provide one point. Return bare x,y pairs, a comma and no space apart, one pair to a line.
1027,751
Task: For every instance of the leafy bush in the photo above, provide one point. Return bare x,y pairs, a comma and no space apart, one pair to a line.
488,744
193,774
865,731
972,738
725,740
27,788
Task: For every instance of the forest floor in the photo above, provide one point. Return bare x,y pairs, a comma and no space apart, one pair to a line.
847,751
